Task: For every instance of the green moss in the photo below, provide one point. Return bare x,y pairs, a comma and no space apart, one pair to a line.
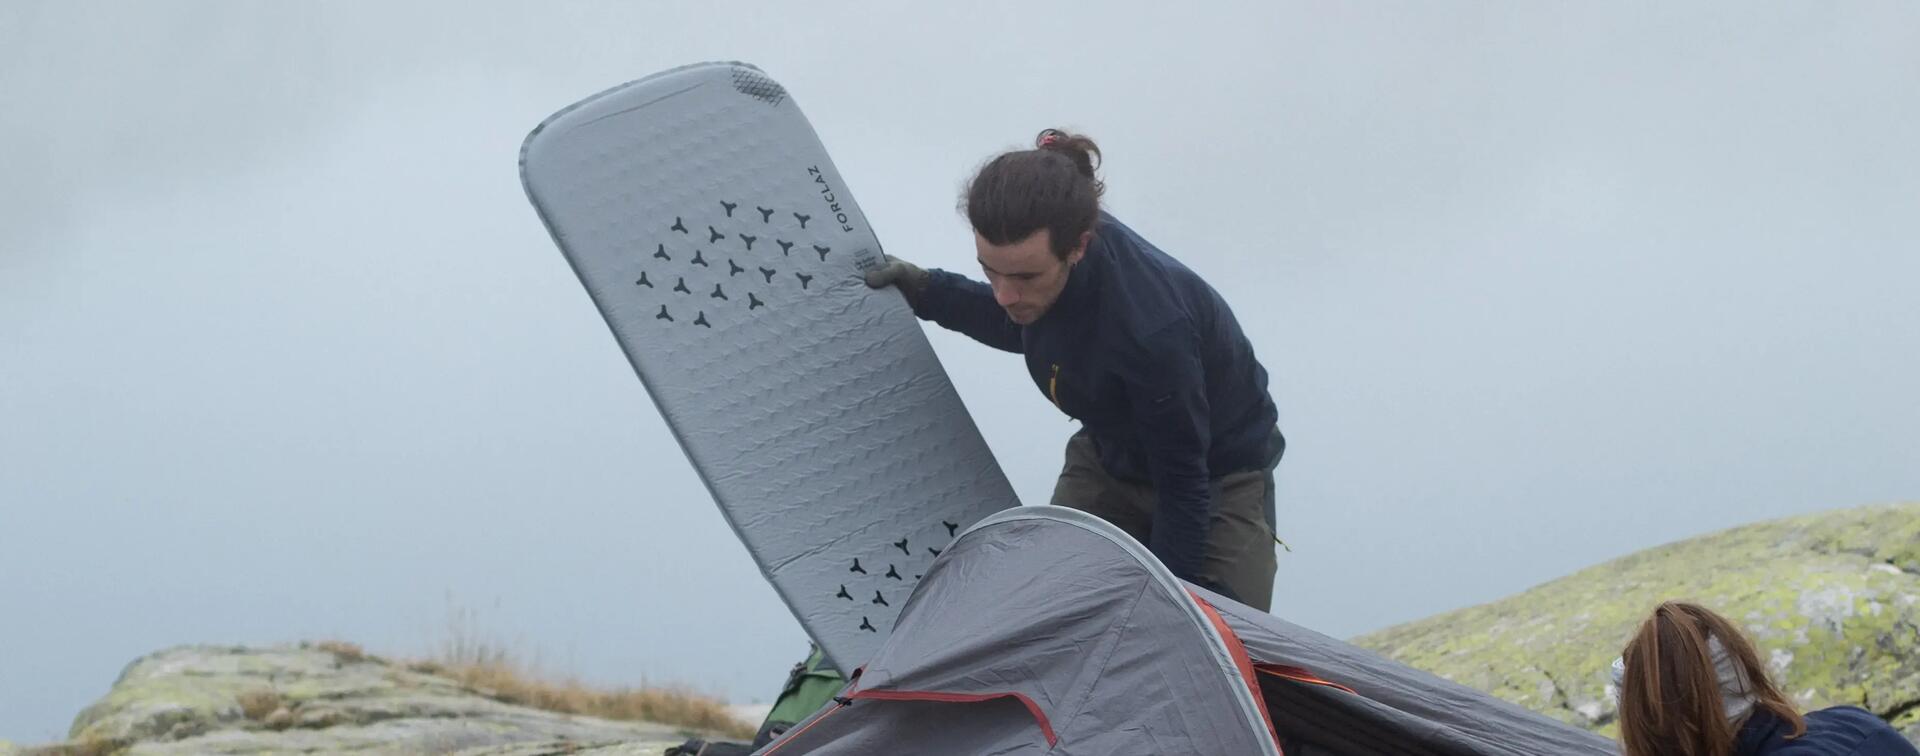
1833,599
154,697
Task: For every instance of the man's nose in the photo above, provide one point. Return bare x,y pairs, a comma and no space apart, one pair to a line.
1004,296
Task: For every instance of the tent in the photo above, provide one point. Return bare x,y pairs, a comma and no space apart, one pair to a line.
1043,630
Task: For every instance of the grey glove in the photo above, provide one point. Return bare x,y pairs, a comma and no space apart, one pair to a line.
910,279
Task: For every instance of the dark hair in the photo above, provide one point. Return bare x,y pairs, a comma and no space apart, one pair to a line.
1670,701
1051,186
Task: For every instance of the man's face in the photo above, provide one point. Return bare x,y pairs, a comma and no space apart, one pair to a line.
1026,276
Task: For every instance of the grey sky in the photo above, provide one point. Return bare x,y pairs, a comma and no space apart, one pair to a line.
285,353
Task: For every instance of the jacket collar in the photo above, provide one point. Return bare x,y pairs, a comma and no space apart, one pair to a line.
1083,282
1755,731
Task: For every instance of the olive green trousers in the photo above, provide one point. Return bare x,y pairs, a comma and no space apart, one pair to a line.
1239,559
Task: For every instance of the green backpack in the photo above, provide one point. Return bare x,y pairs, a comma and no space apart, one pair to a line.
810,687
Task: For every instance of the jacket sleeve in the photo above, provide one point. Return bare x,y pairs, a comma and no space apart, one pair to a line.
1166,388
961,304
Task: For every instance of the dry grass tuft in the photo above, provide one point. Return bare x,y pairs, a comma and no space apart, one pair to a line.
507,681
346,653
491,670
258,703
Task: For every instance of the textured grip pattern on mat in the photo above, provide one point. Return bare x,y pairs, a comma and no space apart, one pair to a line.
755,84
723,249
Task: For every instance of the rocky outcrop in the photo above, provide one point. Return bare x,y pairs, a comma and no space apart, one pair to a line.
1833,599
223,700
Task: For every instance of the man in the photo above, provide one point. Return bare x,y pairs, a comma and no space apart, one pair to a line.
1178,441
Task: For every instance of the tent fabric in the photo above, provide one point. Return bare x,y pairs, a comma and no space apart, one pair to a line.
1435,715
1044,630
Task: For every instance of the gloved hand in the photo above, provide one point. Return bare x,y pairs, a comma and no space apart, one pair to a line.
910,279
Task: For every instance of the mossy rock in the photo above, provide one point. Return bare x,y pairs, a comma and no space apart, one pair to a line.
308,699
1832,600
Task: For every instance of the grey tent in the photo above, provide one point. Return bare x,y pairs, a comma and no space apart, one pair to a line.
1043,630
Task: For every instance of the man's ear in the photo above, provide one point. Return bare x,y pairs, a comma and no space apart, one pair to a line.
1079,247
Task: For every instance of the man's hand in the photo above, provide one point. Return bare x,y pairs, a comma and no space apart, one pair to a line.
910,279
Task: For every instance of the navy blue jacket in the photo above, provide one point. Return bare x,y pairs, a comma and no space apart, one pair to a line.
1151,362
1839,731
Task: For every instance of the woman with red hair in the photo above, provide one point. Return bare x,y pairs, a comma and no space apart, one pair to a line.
1691,684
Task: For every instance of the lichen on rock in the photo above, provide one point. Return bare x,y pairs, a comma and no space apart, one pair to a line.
231,700
1831,599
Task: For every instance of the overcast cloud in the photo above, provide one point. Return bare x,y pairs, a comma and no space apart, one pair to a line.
285,353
